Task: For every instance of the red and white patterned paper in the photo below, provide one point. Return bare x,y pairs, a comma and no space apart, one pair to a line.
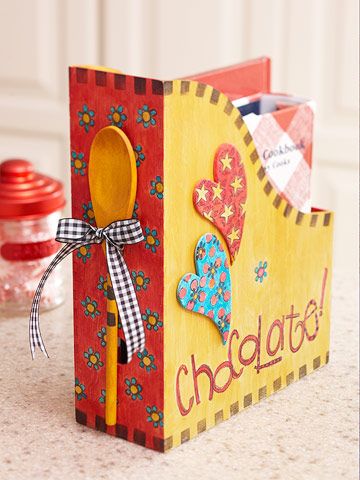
283,139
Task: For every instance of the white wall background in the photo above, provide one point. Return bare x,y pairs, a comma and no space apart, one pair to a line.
313,44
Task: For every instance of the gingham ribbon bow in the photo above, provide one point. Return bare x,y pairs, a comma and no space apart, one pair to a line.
77,233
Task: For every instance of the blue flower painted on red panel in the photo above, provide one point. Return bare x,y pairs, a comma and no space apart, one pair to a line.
102,284
151,240
146,360
102,336
139,280
139,155
117,116
78,163
86,117
146,116
88,214
93,359
90,307
102,396
155,416
135,211
79,390
157,188
152,320
133,389
84,253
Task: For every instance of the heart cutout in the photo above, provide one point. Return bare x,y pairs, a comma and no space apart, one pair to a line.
222,201
209,290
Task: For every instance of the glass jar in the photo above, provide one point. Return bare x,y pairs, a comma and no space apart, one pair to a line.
30,207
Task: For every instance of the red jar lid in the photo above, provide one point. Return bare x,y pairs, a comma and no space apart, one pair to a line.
25,194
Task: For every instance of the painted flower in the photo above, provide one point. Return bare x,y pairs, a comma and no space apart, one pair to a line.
146,360
86,118
102,396
261,272
146,116
133,389
210,270
93,359
215,244
78,163
88,214
84,253
102,285
197,293
223,322
117,116
157,188
151,240
152,320
90,307
155,416
102,336
136,207
200,251
221,292
79,390
139,280
139,155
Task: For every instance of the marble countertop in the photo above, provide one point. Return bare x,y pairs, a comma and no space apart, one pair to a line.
307,431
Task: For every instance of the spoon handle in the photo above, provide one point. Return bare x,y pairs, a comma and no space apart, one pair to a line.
111,355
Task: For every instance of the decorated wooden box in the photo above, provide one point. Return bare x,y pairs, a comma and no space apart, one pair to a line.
232,282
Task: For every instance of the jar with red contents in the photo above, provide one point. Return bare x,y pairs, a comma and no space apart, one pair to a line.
30,208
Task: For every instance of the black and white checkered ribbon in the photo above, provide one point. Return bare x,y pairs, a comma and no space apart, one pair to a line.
77,233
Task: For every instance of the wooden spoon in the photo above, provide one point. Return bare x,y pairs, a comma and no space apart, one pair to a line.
113,182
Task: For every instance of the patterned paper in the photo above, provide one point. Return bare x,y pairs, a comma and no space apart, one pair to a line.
222,201
209,291
283,139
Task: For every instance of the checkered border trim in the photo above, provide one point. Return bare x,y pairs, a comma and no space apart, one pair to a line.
164,444
121,431
135,85
219,100
248,400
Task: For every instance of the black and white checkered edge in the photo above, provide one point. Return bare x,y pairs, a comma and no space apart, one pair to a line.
77,233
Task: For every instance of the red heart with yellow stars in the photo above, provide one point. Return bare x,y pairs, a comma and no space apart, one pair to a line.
222,201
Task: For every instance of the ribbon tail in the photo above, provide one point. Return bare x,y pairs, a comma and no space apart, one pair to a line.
35,337
128,307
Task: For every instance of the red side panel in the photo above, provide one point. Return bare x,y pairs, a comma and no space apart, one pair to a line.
240,80
98,99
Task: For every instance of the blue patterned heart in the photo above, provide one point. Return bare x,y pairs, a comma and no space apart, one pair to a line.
209,290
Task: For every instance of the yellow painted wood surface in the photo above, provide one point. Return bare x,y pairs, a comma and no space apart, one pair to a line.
113,180
297,248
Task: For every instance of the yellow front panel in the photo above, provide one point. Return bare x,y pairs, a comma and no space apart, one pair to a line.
296,247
